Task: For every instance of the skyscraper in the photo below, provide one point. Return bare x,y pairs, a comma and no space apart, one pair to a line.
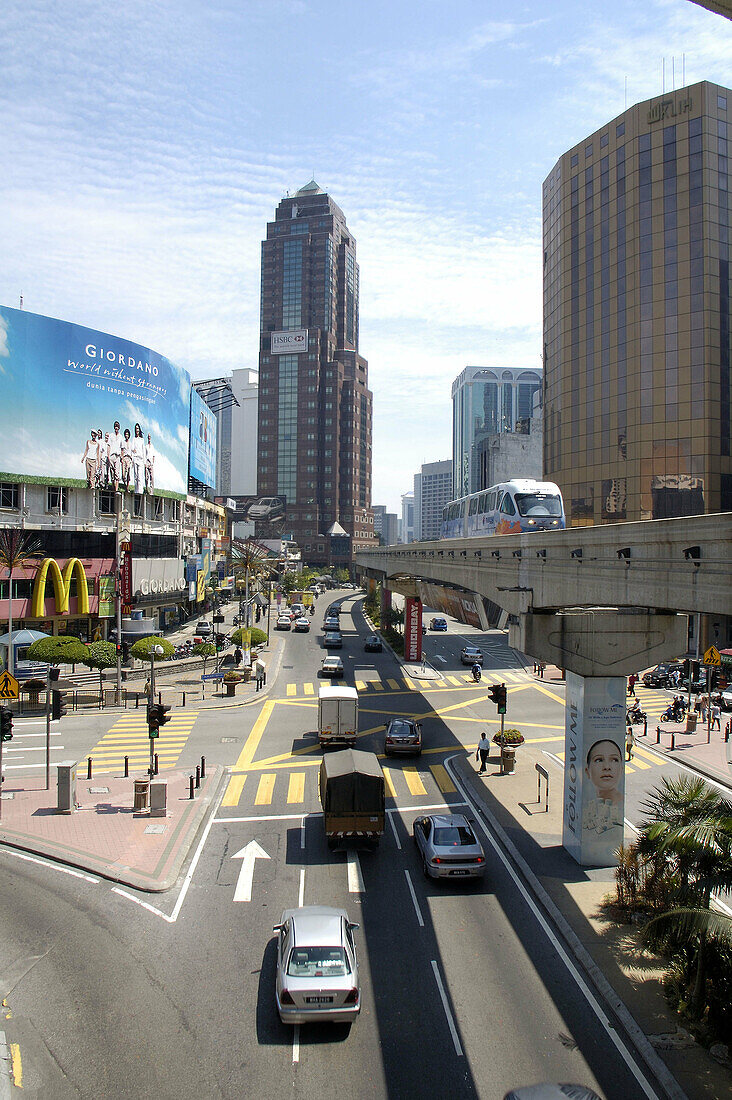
637,313
315,406
432,491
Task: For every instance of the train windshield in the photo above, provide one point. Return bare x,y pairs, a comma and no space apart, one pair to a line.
538,504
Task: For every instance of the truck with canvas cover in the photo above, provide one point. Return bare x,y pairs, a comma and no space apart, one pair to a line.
352,796
337,715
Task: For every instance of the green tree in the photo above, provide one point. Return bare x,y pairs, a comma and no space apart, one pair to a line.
16,548
101,655
340,576
63,649
690,825
142,650
258,637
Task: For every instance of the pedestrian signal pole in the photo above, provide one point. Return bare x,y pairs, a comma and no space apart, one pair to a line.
497,692
6,734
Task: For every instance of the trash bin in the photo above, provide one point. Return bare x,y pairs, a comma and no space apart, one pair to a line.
508,758
691,723
66,787
158,798
142,794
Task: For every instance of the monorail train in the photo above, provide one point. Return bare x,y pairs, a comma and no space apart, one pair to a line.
505,509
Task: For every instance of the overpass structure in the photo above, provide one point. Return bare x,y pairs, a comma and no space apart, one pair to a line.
589,599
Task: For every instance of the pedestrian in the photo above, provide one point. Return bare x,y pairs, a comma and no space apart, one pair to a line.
703,710
727,731
631,684
629,743
716,714
148,687
542,667
484,748
238,656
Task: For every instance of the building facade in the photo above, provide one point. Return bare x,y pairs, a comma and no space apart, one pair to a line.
487,402
386,525
432,491
315,407
637,313
406,533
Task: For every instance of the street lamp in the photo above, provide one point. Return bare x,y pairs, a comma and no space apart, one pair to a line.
155,651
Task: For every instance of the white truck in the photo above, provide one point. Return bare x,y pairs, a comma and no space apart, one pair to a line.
337,715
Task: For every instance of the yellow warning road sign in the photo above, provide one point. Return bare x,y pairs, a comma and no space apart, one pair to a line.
8,686
712,658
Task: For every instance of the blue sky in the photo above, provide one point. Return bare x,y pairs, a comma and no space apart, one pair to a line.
146,144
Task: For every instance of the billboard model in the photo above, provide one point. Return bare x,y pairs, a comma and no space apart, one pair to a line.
80,406
203,441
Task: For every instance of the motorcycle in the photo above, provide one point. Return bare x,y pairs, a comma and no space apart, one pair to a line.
675,711
477,673
635,716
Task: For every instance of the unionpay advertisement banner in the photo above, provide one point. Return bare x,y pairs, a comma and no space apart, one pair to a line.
203,441
81,404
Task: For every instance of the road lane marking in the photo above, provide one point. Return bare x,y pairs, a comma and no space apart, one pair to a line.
249,749
308,689
414,782
442,779
355,879
249,854
233,790
360,685
448,1013
376,685
301,892
397,841
302,838
453,680
51,866
388,783
292,689
409,683
296,1044
517,860
393,684
16,1065
265,790
417,910
296,789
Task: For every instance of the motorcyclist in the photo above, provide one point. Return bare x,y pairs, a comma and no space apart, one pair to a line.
477,672
312,608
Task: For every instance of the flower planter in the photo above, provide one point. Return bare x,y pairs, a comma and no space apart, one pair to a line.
231,689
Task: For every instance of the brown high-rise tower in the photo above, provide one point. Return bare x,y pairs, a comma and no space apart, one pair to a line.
314,401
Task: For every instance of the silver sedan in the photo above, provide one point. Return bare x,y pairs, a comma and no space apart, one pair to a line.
317,972
449,847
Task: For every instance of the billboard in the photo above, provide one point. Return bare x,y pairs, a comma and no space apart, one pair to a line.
87,407
260,510
413,629
202,462
289,343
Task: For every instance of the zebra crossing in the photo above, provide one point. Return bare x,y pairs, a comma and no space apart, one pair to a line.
402,683
300,787
129,737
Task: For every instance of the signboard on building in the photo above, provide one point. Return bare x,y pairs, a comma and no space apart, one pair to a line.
156,579
106,597
73,398
125,576
413,629
289,343
202,460
594,769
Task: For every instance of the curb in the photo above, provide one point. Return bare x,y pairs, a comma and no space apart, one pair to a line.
604,990
188,826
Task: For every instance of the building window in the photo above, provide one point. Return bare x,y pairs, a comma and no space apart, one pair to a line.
106,502
8,495
57,499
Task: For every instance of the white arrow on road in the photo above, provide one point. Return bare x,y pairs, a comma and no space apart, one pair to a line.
248,854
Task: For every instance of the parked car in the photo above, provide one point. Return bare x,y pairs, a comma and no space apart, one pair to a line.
284,622
331,666
660,675
471,655
317,971
301,626
373,644
204,628
403,735
438,623
449,847
333,639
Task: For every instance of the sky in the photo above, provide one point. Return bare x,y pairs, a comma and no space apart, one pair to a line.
146,145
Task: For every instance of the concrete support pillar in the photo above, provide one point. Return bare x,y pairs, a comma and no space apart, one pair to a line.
385,604
594,769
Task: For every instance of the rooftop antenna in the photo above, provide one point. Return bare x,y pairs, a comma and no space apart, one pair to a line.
21,300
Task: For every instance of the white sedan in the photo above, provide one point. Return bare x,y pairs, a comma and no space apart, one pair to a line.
301,626
283,623
317,972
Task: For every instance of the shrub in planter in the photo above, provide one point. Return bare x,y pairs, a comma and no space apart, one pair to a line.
510,737
232,677
33,689
258,637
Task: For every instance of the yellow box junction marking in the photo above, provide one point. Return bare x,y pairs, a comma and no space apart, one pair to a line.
292,689
296,789
442,779
308,689
414,782
265,790
388,783
233,790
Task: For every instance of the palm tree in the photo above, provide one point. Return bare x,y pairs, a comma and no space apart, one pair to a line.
17,547
691,826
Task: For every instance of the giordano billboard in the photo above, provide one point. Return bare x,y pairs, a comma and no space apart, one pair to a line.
80,406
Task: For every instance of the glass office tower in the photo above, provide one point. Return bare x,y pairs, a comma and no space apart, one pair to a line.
637,313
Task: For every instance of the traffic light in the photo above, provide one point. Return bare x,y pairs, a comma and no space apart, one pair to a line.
163,715
58,703
497,693
157,716
6,723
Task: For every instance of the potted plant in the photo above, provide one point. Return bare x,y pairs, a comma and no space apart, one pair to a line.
231,679
509,738
33,688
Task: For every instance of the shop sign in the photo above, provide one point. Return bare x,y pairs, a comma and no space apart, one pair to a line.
61,586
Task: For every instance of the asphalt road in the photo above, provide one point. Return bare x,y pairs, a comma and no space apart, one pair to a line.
465,992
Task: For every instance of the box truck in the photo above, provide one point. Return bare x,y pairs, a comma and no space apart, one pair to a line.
337,715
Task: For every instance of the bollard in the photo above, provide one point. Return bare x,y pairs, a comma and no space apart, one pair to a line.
203,767
190,786
198,777
89,767
137,699
160,697
156,764
658,734
673,740
184,700
127,767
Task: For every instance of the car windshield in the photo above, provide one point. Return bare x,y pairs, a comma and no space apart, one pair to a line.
453,835
401,728
538,504
316,962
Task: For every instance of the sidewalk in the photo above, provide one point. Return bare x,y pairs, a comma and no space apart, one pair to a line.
105,835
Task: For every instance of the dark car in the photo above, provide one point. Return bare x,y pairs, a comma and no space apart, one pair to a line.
332,622
403,735
660,675
373,644
333,640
